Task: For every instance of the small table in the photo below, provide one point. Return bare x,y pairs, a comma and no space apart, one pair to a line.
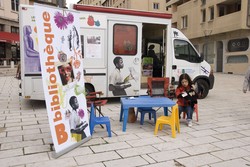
144,101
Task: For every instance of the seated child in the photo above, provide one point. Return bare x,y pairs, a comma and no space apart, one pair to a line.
186,97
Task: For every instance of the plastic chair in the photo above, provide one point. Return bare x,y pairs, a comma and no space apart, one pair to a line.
95,97
143,111
98,121
158,86
196,112
172,120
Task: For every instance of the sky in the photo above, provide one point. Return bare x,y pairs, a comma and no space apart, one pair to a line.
71,1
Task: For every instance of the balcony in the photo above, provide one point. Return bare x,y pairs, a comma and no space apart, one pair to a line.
226,23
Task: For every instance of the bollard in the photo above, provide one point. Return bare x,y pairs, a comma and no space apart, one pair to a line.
4,63
12,64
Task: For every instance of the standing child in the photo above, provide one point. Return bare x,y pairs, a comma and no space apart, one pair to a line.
186,97
246,82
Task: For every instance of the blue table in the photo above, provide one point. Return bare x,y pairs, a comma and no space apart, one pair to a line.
144,101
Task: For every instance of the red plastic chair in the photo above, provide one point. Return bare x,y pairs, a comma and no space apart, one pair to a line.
95,98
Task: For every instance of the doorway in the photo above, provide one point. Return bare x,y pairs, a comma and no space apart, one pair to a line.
219,53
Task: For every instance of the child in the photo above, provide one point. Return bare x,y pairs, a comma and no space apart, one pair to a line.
186,97
246,83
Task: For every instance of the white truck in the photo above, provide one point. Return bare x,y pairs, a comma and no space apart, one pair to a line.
117,47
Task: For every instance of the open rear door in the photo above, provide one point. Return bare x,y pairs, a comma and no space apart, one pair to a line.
124,58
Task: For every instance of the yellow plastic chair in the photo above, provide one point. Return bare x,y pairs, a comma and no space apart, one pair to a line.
172,120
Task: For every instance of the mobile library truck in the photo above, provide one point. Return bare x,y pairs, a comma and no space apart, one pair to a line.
120,49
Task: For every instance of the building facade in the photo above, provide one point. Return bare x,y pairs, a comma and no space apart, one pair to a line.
146,5
9,28
219,29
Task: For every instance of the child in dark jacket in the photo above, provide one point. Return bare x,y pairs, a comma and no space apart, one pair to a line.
186,97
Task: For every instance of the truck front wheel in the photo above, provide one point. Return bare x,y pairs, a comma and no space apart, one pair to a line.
203,88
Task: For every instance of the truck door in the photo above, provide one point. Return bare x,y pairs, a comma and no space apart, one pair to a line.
185,60
124,58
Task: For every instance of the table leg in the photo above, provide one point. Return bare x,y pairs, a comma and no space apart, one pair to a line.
121,113
166,111
125,119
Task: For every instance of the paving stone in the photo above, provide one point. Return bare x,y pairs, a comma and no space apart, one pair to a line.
202,140
36,149
167,155
130,152
95,158
232,163
93,165
171,145
198,160
110,147
121,138
229,143
228,135
127,162
200,149
13,145
20,160
11,153
144,142
231,153
65,162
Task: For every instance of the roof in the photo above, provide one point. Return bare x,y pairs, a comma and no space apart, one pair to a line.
121,11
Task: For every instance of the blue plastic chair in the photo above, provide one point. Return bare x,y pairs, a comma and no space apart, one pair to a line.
143,111
98,121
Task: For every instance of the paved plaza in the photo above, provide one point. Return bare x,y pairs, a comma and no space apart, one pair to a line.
221,138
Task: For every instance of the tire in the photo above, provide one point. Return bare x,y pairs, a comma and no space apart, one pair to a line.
204,86
89,88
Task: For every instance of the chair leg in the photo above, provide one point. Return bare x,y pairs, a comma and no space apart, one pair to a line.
173,130
154,115
161,126
91,128
196,111
149,116
136,115
156,128
142,118
108,129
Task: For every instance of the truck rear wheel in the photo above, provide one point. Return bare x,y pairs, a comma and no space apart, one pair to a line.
204,88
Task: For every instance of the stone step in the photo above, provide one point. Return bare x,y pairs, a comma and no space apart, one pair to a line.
5,71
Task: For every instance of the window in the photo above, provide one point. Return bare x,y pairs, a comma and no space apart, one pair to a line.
184,51
14,29
237,59
211,9
14,5
236,45
1,27
203,15
2,50
222,11
1,3
203,2
156,5
125,39
184,21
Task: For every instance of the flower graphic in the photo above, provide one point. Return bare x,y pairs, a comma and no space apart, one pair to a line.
81,113
70,18
60,20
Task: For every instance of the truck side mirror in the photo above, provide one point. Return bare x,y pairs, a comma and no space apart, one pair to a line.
201,57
